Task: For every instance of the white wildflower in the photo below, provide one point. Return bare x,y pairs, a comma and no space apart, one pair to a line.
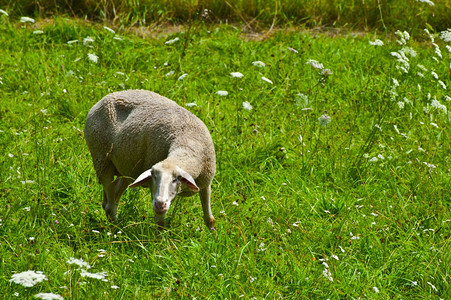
236,74
427,2
79,262
100,275
247,105
11,155
26,208
88,39
259,64
176,39
109,29
222,93
448,48
378,127
326,72
92,57
26,20
302,100
115,287
373,159
430,166
235,203
267,80
437,105
192,104
183,76
72,42
3,12
328,274
28,278
48,296
400,104
409,51
377,43
324,120
380,156
446,35
170,73
447,98
315,64
37,32
420,75
422,68
292,50
435,59
335,257
252,279
442,84
395,82
432,286
375,289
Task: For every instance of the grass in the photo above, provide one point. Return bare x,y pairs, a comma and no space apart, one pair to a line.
382,15
357,208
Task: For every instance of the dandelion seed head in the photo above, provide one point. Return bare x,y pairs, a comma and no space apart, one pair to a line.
28,278
324,120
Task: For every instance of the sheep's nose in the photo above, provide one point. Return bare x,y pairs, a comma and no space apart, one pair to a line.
160,208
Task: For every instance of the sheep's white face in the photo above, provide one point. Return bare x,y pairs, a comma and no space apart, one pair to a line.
165,182
164,185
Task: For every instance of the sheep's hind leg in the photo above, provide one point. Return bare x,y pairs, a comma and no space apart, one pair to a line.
209,219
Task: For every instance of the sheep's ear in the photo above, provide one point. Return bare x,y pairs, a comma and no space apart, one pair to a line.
187,180
142,179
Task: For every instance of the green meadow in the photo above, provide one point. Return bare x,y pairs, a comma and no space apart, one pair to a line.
333,163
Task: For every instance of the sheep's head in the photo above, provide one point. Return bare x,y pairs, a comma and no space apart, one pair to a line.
165,180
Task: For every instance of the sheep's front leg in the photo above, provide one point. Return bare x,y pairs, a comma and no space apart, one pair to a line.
109,192
209,219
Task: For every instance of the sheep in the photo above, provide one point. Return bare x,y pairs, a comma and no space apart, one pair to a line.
141,134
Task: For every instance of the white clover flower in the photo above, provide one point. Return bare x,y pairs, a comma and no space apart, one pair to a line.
28,278
222,93
259,64
183,76
267,80
92,57
26,20
247,105
3,12
324,120
79,262
176,39
237,74
377,43
427,2
315,64
88,39
48,296
109,29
